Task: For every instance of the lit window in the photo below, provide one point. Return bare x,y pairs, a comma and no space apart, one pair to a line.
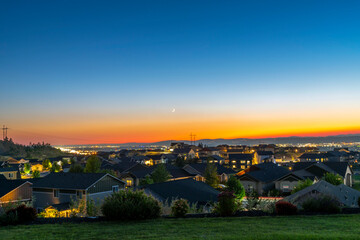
243,162
115,188
56,193
129,182
243,167
285,186
233,161
234,166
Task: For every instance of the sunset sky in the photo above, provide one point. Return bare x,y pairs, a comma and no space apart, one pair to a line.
81,72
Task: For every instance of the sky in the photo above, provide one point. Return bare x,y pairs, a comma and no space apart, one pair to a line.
86,72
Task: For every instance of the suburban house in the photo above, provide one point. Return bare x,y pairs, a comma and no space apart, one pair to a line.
266,156
12,191
135,174
194,191
314,170
242,160
314,157
212,159
261,177
10,172
197,170
345,195
59,189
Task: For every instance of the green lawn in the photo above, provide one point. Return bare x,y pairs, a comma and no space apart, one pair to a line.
356,182
296,227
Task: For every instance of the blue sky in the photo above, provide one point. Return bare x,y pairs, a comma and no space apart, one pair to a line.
97,58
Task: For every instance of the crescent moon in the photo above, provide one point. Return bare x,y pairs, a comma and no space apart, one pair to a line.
173,110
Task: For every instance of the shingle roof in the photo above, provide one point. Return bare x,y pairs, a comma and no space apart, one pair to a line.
193,191
344,194
68,180
9,169
7,186
265,153
267,172
200,167
337,167
241,156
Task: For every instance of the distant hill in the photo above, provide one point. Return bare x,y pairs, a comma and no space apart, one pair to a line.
33,151
280,140
247,141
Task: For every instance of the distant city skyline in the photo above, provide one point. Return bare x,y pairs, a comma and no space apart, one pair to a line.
87,72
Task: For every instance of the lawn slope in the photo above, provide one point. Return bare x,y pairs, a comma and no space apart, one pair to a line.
296,227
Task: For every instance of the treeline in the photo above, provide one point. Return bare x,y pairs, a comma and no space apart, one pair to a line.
33,150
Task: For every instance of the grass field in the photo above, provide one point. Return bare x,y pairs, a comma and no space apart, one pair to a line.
295,227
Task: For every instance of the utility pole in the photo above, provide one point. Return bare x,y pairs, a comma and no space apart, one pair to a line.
192,139
4,129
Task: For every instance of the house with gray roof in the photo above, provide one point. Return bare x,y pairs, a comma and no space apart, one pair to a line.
189,189
62,188
15,191
345,195
261,177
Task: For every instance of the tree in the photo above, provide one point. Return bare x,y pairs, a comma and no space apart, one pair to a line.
334,179
46,164
234,185
211,175
160,174
302,184
180,162
35,174
76,168
146,181
92,164
27,168
55,167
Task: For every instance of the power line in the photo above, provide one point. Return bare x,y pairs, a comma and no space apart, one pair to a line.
4,129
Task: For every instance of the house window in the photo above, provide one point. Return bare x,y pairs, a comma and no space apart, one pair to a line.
234,166
11,175
243,162
56,193
285,186
243,167
115,188
79,194
233,161
129,182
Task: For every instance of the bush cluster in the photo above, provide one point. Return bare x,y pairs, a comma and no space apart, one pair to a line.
19,214
285,208
180,208
322,204
130,205
226,203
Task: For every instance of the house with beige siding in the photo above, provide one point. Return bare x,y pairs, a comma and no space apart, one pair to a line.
60,189
14,191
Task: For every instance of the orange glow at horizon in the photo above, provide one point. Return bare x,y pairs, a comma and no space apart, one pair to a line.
153,130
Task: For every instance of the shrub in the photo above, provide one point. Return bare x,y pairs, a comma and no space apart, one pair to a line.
22,214
322,204
180,208
334,179
130,205
234,185
285,208
301,185
226,203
